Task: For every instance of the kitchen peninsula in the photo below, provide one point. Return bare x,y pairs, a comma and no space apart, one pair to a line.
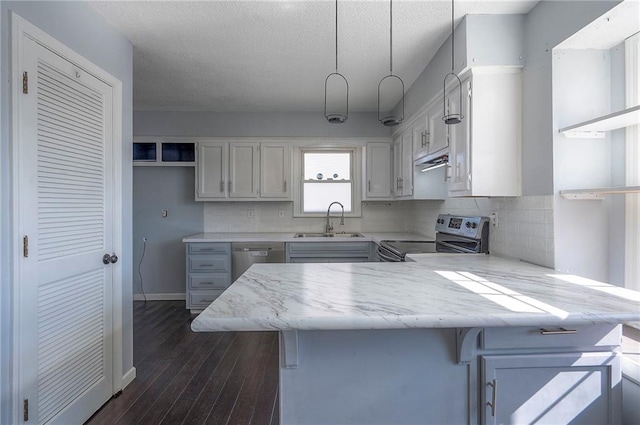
448,339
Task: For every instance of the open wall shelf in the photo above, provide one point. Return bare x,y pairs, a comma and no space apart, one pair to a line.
595,194
595,128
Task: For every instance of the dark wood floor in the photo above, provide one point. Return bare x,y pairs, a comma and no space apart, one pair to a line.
185,377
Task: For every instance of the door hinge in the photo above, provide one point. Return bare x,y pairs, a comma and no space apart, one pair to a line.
25,410
25,82
25,246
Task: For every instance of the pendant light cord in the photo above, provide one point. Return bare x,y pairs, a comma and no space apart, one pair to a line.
452,36
336,35
390,37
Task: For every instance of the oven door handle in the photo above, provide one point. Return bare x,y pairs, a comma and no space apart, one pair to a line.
457,248
386,257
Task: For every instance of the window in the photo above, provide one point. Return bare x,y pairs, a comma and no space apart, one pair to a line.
328,175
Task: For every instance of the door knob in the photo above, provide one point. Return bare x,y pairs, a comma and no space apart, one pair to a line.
106,258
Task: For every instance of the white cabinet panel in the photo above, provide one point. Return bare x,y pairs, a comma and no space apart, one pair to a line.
459,136
275,170
486,147
576,388
437,137
212,163
243,170
379,170
407,163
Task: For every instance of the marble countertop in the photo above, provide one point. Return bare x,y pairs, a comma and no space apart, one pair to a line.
289,237
436,291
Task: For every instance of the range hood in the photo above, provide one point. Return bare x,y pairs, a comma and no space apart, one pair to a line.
432,162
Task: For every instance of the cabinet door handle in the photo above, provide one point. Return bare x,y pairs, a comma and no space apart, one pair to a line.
229,186
284,186
494,396
206,283
447,172
221,185
401,184
559,331
369,186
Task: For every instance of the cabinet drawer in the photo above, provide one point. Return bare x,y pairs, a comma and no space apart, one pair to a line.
209,247
531,337
209,280
209,263
329,247
203,298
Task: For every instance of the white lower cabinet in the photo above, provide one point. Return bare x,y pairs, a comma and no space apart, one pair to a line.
243,171
330,252
529,375
564,388
208,273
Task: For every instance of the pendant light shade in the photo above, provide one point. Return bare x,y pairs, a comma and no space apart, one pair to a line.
452,117
391,83
336,91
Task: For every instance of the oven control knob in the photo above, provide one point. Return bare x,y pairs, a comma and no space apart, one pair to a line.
474,225
468,224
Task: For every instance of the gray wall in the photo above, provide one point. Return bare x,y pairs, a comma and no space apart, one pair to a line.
481,40
79,27
156,189
546,25
256,124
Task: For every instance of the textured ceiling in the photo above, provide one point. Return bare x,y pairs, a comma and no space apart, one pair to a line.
275,55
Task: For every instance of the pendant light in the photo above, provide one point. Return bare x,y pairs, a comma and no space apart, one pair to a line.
339,115
391,120
452,117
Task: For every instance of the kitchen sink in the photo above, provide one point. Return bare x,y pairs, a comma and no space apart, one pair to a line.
328,235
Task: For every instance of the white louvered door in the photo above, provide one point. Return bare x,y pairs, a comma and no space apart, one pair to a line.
66,211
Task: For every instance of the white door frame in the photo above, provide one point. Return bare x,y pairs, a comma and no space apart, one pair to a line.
19,28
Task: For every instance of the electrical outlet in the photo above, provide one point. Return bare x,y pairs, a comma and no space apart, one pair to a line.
250,213
493,217
165,213
281,213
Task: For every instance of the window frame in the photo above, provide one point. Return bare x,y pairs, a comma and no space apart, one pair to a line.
631,332
356,177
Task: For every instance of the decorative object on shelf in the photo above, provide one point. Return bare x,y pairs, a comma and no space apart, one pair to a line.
391,120
319,176
451,117
340,115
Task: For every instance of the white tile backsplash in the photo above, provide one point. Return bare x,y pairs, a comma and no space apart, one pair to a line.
525,224
234,217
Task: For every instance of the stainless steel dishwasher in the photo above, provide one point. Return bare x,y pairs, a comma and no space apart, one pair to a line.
244,254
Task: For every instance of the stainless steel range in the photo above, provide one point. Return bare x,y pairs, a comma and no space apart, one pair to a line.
454,234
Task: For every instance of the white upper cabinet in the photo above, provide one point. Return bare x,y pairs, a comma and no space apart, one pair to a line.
243,171
437,132
486,147
403,164
275,170
379,169
459,149
211,170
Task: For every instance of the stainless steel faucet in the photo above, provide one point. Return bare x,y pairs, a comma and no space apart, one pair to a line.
329,227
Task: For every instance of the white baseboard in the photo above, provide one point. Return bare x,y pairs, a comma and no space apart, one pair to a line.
161,297
128,377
